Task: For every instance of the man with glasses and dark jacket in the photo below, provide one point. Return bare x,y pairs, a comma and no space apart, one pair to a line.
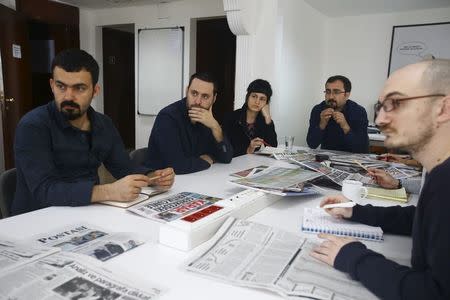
414,114
338,123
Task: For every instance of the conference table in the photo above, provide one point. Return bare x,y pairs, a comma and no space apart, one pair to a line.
157,264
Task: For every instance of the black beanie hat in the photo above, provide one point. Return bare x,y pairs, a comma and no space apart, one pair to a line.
260,86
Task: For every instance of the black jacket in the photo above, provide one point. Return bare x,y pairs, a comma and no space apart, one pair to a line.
235,129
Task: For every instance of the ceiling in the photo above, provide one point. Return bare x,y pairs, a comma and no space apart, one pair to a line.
331,8
96,4
340,8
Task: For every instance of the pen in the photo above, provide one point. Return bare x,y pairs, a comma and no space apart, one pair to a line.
154,177
359,164
342,204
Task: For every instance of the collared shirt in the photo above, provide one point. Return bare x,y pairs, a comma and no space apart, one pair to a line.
57,163
333,137
176,142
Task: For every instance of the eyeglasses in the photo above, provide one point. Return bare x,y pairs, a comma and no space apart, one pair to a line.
333,92
389,104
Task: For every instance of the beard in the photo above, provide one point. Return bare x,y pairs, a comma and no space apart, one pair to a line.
414,144
331,103
71,110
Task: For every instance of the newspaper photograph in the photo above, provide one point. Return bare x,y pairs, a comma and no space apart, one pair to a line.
66,275
255,255
173,207
249,172
89,240
14,254
278,178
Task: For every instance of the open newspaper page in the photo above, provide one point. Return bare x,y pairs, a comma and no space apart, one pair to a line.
66,275
15,254
278,178
173,207
89,240
251,254
336,175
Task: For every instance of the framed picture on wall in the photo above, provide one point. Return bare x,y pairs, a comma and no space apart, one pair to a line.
414,43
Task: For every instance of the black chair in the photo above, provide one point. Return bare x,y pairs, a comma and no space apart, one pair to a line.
139,156
7,191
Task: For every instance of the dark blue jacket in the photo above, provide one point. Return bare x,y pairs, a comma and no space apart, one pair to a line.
176,142
235,129
429,223
57,163
333,137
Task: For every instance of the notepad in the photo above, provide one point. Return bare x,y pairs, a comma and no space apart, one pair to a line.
396,195
316,220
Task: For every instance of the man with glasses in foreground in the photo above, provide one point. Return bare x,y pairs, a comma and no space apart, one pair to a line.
338,123
414,114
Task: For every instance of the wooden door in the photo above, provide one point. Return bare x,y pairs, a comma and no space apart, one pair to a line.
14,46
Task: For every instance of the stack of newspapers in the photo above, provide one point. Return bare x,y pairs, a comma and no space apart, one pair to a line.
30,271
280,181
255,255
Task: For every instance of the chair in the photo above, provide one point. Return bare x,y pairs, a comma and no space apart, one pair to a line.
139,156
7,191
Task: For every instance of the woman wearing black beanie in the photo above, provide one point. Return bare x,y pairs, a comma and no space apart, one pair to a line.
251,126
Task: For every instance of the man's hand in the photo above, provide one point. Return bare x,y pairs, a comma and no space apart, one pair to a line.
383,179
329,249
255,143
204,116
265,111
337,212
164,178
123,190
325,116
207,158
340,119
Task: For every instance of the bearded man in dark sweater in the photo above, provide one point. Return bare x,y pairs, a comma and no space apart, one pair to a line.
414,114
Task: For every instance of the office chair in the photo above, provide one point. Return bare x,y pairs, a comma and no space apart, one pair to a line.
7,191
139,156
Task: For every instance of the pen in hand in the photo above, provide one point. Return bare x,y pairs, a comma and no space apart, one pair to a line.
342,204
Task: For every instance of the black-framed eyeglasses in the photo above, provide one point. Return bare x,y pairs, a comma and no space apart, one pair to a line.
389,104
333,92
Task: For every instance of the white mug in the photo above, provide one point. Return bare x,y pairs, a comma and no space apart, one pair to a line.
354,190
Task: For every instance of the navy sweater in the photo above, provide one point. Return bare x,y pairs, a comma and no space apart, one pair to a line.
176,142
429,224
235,128
57,163
333,137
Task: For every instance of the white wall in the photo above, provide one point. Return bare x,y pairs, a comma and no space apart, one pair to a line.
359,48
299,67
180,14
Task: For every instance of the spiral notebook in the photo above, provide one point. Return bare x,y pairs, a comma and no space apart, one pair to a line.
316,220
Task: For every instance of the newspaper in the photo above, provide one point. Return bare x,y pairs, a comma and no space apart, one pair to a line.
88,240
13,254
66,275
336,175
278,179
173,207
249,172
255,255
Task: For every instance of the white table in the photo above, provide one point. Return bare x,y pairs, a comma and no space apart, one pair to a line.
163,265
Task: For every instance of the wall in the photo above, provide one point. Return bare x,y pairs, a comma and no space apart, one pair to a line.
180,14
299,67
359,47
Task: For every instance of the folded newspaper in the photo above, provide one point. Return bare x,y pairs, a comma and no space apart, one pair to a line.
174,207
37,272
280,181
90,240
255,255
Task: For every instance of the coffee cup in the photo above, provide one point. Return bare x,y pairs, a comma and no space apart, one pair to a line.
354,190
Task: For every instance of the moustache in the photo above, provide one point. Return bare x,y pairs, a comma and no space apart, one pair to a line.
331,103
69,103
